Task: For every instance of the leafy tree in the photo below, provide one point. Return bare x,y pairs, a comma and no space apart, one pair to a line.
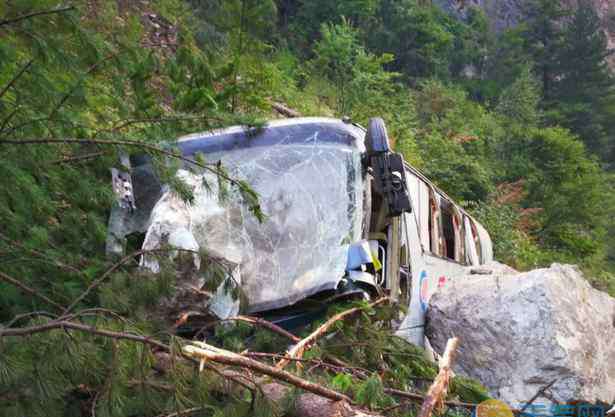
566,185
357,75
520,102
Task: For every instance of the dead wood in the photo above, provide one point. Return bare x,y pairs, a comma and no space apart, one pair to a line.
297,350
285,110
437,392
205,352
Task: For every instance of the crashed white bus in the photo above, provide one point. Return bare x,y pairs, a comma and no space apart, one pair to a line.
344,215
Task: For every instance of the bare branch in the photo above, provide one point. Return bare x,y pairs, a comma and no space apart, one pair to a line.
104,276
538,394
41,255
252,320
297,350
317,362
16,77
72,90
30,314
6,278
76,158
34,14
66,324
420,398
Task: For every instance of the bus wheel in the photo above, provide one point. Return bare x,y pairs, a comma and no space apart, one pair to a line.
377,139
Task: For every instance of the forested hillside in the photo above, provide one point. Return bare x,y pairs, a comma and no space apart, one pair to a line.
518,126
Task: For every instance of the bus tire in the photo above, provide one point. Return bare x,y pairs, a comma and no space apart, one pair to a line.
377,139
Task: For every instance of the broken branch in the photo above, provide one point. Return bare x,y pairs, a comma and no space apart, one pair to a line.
267,325
297,350
206,352
285,110
437,391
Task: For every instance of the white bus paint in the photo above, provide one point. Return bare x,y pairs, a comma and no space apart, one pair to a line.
431,271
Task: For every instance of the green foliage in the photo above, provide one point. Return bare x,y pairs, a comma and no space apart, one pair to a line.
471,109
519,103
421,38
543,38
583,95
357,76
513,246
370,392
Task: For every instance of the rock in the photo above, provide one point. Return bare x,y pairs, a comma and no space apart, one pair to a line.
505,14
520,331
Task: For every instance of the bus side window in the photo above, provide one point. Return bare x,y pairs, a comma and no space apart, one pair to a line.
460,244
448,229
475,239
434,225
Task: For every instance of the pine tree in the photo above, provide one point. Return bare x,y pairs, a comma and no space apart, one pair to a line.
583,94
543,37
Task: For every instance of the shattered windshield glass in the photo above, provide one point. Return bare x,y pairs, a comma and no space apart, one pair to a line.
312,195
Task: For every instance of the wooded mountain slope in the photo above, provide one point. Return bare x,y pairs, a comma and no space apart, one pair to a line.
518,126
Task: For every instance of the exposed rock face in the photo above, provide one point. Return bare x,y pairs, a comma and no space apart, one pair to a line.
504,14
520,331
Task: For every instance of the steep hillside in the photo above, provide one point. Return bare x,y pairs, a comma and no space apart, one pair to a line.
504,14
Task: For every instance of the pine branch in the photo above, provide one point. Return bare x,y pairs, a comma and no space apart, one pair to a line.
41,255
104,276
30,314
8,118
211,167
6,278
15,78
297,350
34,14
265,324
67,324
77,158
76,85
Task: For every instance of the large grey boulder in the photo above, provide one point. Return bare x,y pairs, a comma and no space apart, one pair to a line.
520,331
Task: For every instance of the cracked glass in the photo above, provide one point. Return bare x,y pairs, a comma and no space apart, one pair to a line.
311,192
